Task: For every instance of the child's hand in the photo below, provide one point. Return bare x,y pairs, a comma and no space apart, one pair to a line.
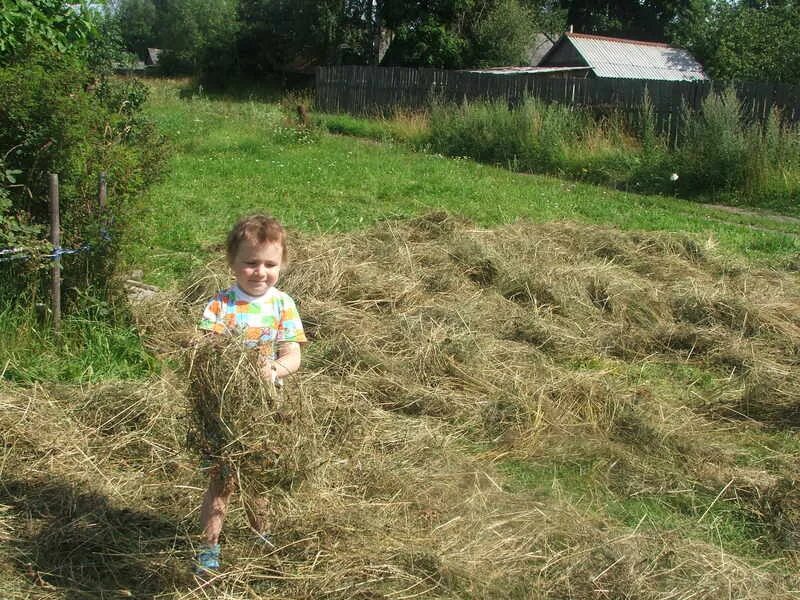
210,339
286,363
269,370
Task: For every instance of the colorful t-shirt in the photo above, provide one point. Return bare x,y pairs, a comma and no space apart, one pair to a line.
262,321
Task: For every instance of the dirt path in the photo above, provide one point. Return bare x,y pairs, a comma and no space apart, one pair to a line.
778,218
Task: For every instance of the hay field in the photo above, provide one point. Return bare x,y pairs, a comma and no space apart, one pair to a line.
533,411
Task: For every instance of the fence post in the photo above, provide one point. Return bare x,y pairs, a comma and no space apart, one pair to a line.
55,239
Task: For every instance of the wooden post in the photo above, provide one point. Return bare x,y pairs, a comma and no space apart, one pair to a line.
55,239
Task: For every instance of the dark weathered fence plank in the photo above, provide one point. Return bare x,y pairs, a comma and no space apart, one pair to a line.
383,90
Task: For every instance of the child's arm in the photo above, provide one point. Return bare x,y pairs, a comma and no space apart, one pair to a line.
286,363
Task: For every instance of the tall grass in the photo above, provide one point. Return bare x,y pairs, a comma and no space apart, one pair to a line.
97,342
723,149
715,146
532,137
486,131
401,126
721,153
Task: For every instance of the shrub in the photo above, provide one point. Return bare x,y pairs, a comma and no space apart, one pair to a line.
57,116
713,152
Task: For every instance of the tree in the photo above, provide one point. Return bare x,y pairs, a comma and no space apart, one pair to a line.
749,41
279,33
50,24
461,33
649,20
136,21
504,35
189,30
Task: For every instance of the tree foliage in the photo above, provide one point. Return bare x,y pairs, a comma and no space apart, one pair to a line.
748,41
462,33
191,32
276,33
137,21
648,20
51,24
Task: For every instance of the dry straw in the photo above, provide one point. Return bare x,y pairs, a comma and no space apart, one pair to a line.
476,412
241,422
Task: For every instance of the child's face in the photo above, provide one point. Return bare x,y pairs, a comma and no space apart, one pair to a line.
257,266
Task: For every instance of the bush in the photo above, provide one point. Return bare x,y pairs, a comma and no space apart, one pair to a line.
56,116
713,153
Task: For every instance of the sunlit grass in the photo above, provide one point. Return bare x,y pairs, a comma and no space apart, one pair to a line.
233,157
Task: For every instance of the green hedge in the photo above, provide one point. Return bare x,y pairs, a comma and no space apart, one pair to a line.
57,116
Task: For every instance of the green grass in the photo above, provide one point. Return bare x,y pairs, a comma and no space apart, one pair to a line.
233,157
92,346
677,378
722,160
693,513
366,128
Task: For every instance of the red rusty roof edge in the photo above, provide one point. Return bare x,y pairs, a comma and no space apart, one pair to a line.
620,40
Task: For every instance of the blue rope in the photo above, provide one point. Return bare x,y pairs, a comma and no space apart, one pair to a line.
15,252
9,254
58,252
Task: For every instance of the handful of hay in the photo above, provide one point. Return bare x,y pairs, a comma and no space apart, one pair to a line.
240,422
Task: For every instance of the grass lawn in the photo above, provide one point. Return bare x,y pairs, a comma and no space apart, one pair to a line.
233,157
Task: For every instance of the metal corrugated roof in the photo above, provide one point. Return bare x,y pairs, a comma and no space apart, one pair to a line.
628,59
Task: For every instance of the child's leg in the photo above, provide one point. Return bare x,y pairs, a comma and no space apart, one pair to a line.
215,505
256,507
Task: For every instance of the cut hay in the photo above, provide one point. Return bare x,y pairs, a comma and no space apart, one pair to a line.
243,424
771,397
533,411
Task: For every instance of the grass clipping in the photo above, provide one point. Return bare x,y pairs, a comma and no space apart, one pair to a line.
240,421
534,411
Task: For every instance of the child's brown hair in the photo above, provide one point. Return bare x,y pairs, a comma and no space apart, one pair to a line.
257,229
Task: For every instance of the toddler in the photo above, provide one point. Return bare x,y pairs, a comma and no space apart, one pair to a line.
263,317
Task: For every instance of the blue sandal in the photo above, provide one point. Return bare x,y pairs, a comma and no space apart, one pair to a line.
207,560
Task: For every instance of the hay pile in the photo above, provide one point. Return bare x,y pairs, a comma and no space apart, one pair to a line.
478,412
242,424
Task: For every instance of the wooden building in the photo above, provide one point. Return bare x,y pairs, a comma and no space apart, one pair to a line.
614,58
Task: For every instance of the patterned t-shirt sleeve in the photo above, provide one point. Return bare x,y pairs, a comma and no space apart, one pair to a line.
213,315
290,328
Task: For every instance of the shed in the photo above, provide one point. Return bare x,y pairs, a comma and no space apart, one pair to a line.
151,57
608,57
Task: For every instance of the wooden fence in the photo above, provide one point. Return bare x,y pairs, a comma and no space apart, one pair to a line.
382,90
